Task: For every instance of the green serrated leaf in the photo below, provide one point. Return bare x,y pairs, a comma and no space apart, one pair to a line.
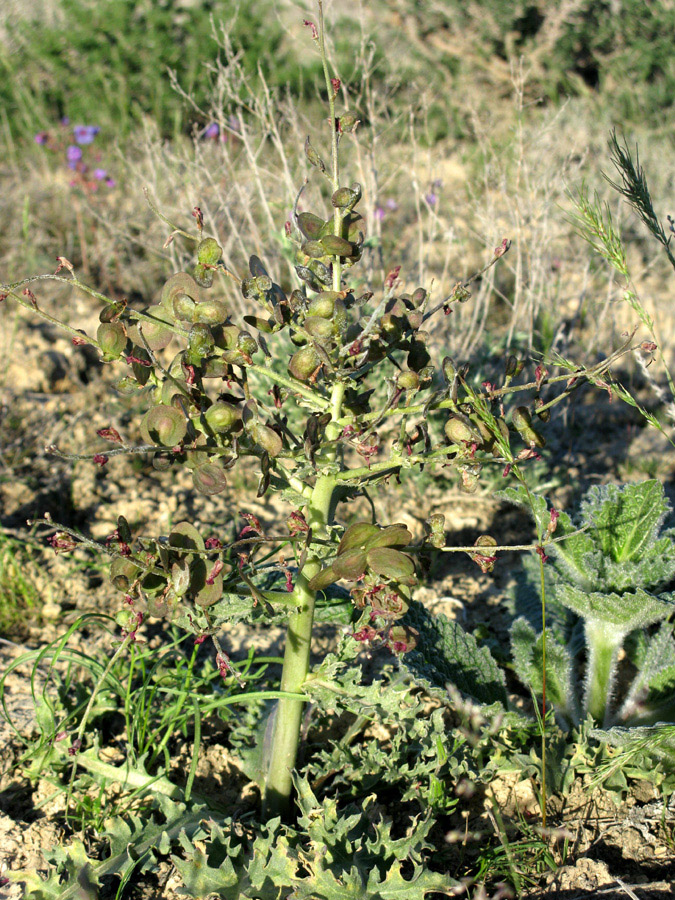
625,519
446,654
527,651
623,612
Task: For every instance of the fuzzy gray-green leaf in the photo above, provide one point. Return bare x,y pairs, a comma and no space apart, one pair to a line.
446,654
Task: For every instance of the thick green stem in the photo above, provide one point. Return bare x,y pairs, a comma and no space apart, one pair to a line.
604,643
288,722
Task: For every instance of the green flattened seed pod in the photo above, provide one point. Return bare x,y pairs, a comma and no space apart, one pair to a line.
184,307
323,304
180,283
163,425
246,343
202,275
209,252
460,431
320,329
304,363
313,249
112,338
222,417
336,246
123,573
210,312
200,342
408,381
266,438
157,335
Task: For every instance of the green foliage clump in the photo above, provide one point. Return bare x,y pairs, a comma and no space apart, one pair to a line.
109,62
609,575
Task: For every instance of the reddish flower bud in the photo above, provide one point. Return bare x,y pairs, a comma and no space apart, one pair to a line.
100,459
110,434
62,542
503,247
392,277
252,526
215,571
312,27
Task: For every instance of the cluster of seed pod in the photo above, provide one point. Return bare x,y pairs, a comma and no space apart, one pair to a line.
381,574
186,423
174,576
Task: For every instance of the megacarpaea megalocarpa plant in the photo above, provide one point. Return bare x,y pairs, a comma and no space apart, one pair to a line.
360,377
605,585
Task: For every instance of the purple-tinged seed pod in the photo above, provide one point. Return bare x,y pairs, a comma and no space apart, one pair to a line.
209,479
163,425
418,297
310,225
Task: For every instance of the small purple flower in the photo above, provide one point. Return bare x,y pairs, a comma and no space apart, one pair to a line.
379,213
85,134
211,131
65,121
100,174
110,182
391,204
41,137
431,198
73,155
